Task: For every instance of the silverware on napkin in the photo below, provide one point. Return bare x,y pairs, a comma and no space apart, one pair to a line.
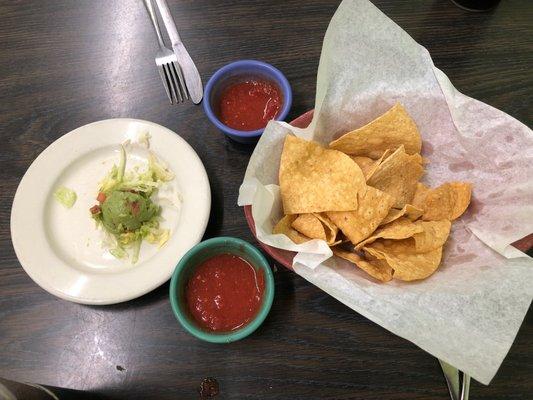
190,72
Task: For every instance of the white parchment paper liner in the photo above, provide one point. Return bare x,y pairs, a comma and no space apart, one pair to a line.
469,311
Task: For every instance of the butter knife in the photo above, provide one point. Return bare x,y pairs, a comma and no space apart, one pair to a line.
192,77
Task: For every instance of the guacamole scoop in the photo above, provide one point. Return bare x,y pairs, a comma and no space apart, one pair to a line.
126,211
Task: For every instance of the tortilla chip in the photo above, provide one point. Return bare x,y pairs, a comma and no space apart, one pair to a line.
419,159
434,234
402,228
398,175
389,131
448,201
316,226
314,179
420,196
414,257
357,225
310,226
463,195
385,154
284,227
408,266
377,269
409,211
420,236
366,164
330,228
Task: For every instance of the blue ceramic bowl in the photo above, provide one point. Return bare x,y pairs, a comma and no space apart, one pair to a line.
197,255
231,73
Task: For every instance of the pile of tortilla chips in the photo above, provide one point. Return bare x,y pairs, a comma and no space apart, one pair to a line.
362,196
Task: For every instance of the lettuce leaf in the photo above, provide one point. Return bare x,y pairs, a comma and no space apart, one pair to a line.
65,196
141,181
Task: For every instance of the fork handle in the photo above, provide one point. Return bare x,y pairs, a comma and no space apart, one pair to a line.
153,17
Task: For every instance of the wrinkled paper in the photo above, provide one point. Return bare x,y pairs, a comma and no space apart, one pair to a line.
469,311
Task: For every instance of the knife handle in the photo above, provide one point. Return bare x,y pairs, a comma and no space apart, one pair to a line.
169,22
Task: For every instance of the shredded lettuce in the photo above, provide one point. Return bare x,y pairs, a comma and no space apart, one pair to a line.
136,250
159,237
122,164
159,171
149,230
147,182
118,252
115,177
140,181
65,196
144,139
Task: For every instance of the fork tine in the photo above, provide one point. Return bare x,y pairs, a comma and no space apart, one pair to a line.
165,82
171,83
177,88
181,80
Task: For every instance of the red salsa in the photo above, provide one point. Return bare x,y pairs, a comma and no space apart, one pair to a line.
224,293
249,105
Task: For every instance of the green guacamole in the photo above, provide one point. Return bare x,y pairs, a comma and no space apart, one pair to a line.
126,211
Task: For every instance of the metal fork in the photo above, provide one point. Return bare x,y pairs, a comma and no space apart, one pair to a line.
458,382
167,64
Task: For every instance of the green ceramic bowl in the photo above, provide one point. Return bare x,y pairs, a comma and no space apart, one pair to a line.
195,257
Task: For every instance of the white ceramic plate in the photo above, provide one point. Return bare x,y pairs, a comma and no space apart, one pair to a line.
61,249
